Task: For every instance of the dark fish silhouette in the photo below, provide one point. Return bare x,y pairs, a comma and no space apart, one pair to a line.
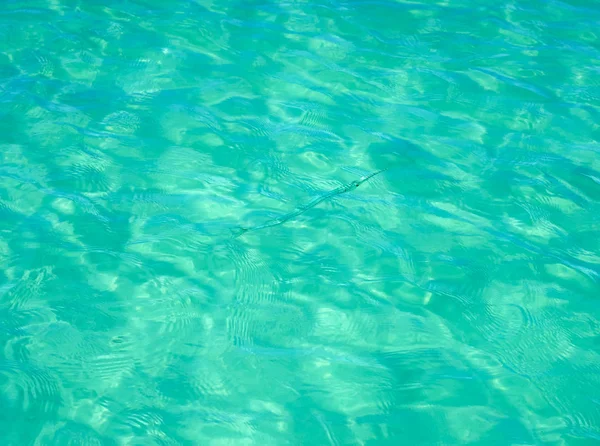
302,209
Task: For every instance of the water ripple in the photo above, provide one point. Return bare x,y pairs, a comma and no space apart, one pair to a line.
449,300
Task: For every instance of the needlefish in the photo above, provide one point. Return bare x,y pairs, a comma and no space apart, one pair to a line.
302,209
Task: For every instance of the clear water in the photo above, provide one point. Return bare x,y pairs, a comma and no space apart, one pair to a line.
450,299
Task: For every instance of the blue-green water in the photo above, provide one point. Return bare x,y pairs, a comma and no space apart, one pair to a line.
184,258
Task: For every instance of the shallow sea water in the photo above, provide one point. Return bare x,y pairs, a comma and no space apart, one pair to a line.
452,298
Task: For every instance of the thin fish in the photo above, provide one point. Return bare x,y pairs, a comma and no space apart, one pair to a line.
302,209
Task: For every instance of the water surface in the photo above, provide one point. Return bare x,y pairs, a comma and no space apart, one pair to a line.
451,299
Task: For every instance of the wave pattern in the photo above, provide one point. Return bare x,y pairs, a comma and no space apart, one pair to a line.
450,300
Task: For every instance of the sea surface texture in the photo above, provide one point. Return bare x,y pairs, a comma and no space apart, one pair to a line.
324,222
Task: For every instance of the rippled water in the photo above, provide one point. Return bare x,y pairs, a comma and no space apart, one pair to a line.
451,298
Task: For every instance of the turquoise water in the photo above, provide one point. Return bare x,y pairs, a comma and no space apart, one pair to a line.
192,250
